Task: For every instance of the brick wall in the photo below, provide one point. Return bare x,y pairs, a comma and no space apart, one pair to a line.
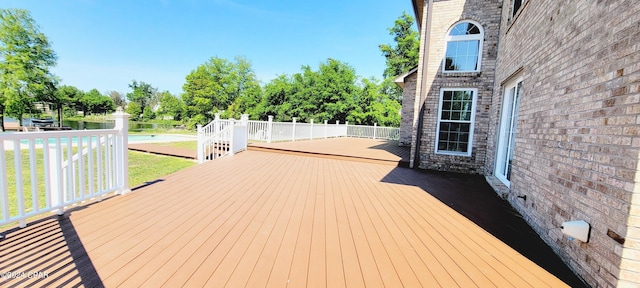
408,99
445,15
577,143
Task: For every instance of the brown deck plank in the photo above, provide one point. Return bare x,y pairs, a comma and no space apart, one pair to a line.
317,275
244,200
237,264
376,151
278,275
298,268
152,247
386,269
263,219
466,234
257,274
350,257
386,230
484,240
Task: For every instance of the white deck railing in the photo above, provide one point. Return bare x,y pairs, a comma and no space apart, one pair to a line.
269,131
215,138
221,137
51,171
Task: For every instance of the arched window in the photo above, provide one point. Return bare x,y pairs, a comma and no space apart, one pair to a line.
464,47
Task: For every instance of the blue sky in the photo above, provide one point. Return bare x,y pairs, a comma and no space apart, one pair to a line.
106,44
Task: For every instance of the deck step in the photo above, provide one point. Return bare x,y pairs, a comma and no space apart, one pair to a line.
401,163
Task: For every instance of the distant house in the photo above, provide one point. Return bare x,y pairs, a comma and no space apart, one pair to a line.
543,98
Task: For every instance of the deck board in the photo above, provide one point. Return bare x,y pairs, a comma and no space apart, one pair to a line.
270,220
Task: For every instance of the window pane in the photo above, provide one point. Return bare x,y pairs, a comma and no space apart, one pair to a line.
454,129
462,55
464,28
453,138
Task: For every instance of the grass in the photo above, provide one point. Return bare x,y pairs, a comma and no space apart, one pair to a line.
143,167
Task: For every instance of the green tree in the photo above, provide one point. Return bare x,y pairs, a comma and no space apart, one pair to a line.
326,94
74,96
142,94
334,91
276,93
95,102
170,105
25,59
134,109
402,55
69,96
375,107
117,98
216,84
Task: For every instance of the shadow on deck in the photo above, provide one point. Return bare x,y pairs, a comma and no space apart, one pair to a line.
278,220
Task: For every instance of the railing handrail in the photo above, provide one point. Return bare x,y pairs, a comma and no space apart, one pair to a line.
68,177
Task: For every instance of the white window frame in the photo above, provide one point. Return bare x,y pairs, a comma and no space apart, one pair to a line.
504,149
471,122
449,38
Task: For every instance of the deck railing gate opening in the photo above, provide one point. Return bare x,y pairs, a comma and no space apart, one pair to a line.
43,172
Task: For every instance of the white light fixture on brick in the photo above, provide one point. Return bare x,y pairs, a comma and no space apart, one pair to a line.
576,229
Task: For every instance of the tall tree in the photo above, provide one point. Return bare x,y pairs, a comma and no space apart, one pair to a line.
171,105
117,98
402,55
95,102
25,59
142,95
215,85
72,96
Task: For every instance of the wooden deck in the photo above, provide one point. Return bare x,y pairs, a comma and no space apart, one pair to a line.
261,219
354,149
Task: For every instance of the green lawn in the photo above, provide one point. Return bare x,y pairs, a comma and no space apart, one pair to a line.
144,167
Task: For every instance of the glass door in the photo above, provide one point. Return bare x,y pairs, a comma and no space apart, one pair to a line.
507,136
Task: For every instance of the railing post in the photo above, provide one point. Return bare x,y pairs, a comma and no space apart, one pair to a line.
55,177
375,128
122,151
200,144
311,131
232,128
216,124
269,128
245,123
326,124
337,128
293,130
346,130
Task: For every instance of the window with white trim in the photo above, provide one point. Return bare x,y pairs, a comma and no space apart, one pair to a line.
455,121
464,48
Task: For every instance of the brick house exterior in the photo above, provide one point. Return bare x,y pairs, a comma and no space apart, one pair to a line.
408,99
547,108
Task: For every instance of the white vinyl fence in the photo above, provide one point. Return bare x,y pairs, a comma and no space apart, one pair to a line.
43,172
226,137
269,131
